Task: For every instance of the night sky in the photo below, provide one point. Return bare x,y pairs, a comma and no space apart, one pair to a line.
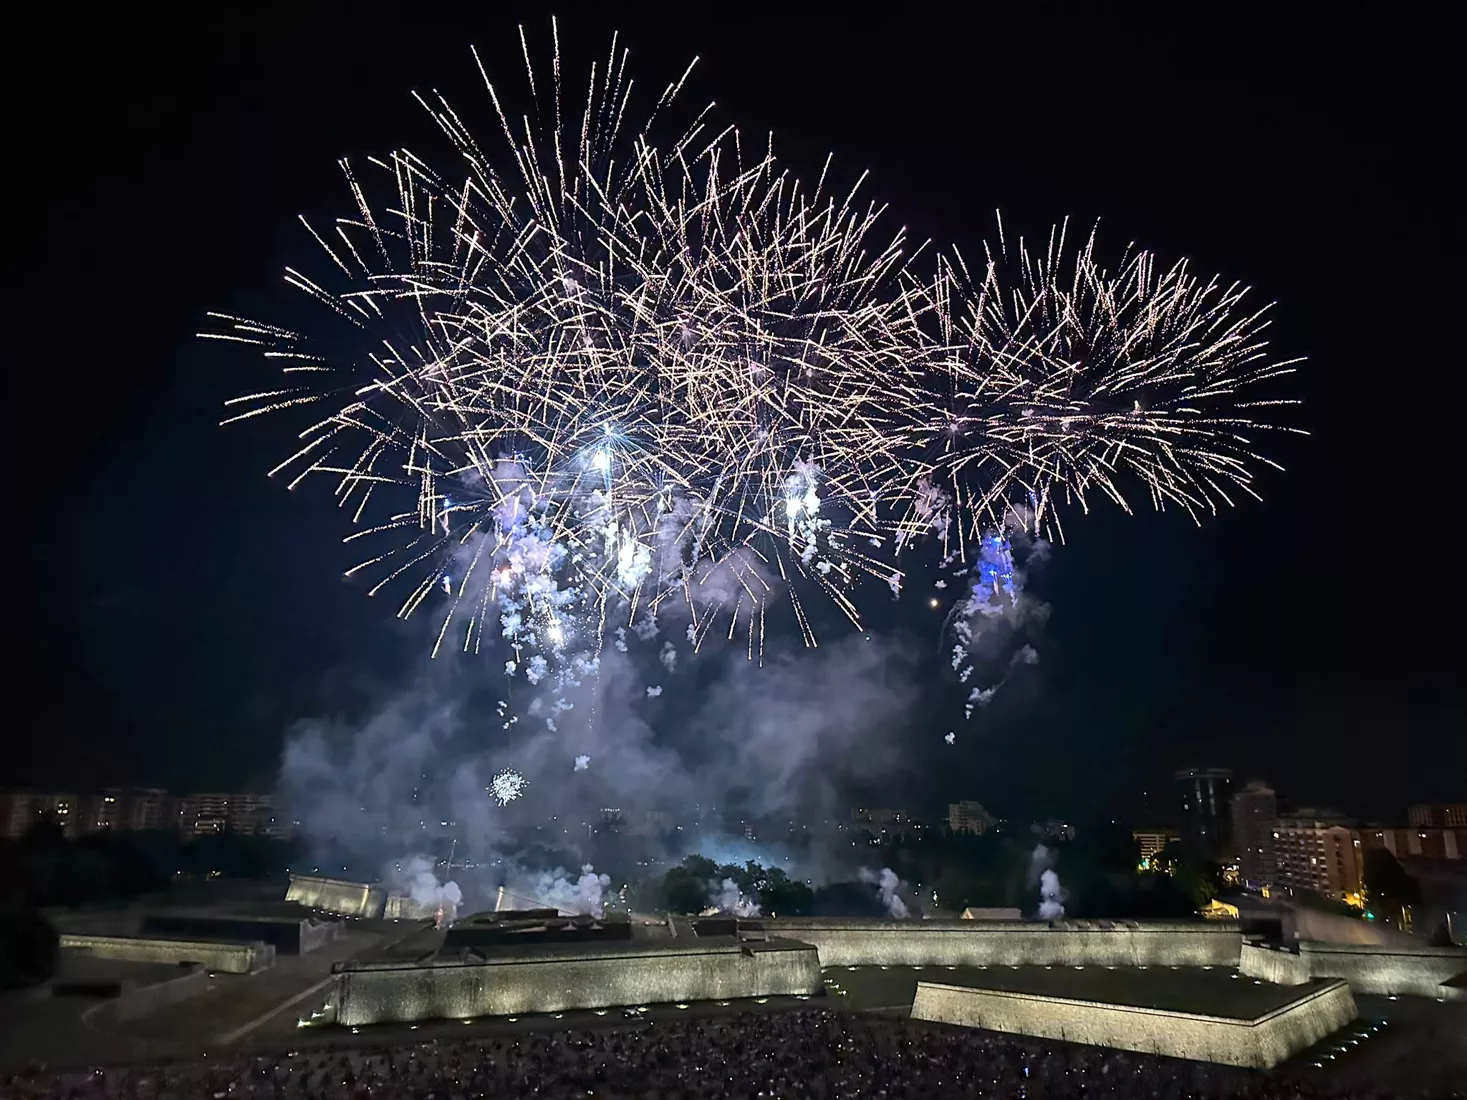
173,612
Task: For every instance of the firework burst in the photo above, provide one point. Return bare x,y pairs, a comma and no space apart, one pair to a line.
506,786
656,360
1058,381
610,366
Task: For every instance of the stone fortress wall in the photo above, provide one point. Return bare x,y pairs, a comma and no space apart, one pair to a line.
688,969
548,980
1014,943
335,895
1261,1042
228,958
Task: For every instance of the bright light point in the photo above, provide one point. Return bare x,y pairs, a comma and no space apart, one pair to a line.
934,603
602,460
555,634
506,786
448,586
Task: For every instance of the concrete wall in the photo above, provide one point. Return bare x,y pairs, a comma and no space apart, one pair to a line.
1273,964
1415,971
1014,943
229,958
402,907
515,985
352,899
1261,1043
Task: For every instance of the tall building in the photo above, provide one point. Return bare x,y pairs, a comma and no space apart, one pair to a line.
968,817
1318,850
18,813
1151,841
1438,815
103,813
1255,818
1428,843
1206,803
23,810
203,814
120,810
147,810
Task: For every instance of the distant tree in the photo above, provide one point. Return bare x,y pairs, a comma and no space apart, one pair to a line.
1199,878
1387,880
748,877
783,896
685,887
701,866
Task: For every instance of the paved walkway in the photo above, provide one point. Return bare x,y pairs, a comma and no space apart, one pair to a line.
236,1000
73,1030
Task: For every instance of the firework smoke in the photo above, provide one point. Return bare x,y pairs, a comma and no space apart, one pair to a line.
419,880
583,896
727,899
887,886
1041,872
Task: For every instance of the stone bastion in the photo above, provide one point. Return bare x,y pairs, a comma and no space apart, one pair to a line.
1013,943
558,978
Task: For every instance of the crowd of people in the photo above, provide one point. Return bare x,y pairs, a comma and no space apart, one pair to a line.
753,1056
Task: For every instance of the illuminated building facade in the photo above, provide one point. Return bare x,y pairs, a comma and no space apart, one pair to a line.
969,817
1255,818
1318,850
1151,841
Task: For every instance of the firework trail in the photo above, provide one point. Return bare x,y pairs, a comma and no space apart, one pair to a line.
620,374
616,367
1057,380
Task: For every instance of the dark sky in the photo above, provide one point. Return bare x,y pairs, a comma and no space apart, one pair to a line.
173,611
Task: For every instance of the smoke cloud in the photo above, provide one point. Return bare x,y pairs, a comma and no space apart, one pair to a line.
585,896
789,739
418,879
1041,871
887,887
726,898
